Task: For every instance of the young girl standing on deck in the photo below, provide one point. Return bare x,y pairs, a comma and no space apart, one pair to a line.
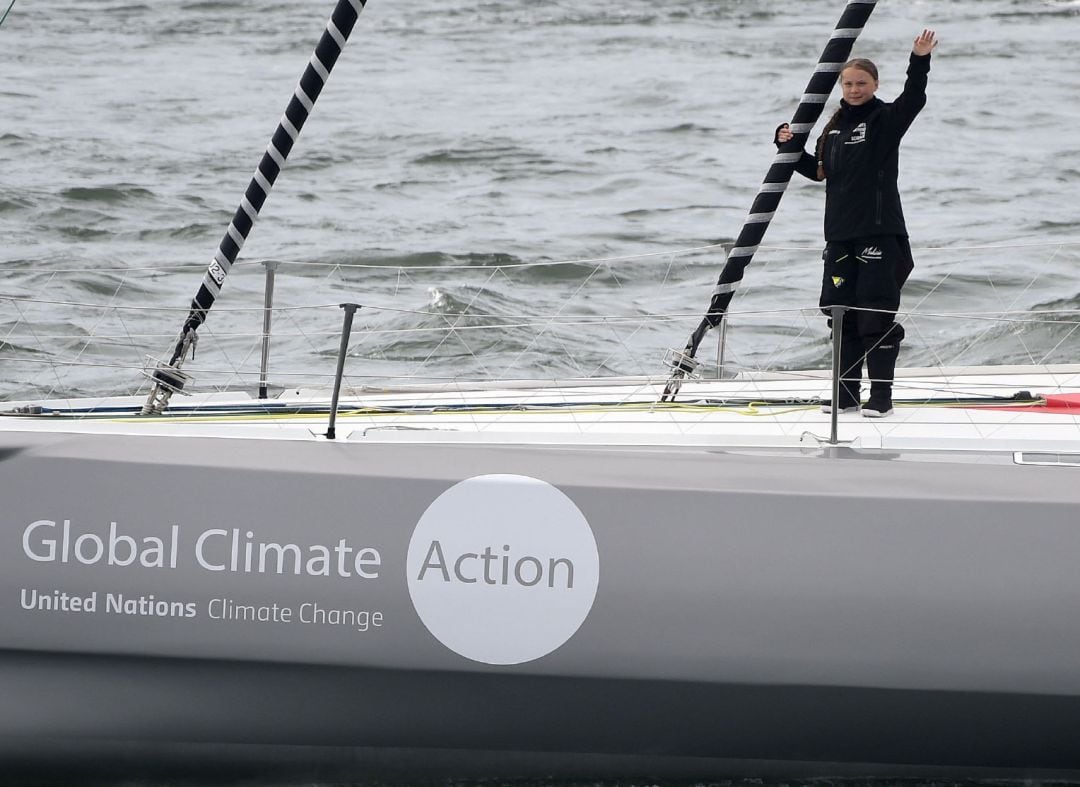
867,254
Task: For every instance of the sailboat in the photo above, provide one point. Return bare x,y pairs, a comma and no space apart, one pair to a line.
685,575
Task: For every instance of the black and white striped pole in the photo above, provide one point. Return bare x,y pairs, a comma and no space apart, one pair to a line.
168,378
833,57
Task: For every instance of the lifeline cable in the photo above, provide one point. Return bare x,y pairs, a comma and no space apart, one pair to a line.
263,409
10,6
833,57
167,378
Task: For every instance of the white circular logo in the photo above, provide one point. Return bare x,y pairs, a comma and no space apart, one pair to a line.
503,568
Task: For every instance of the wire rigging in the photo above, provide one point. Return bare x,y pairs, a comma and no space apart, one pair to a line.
5,16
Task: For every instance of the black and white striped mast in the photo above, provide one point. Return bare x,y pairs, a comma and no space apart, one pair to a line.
836,53
168,378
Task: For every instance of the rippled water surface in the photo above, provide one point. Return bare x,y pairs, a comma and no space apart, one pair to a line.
458,145
509,187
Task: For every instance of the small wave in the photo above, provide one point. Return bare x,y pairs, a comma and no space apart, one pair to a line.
121,10
687,128
10,348
83,233
390,260
121,192
658,98
1045,339
1046,225
639,213
565,272
1037,14
13,203
102,283
486,259
1068,309
399,185
440,335
480,155
973,283
195,230
447,344
313,161
422,259
212,5
602,19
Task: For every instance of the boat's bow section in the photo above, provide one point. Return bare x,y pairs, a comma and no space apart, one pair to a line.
538,580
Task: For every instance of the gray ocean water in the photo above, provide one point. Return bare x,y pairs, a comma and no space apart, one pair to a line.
458,146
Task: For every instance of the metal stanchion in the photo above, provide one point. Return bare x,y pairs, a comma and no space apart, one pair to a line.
346,330
837,328
268,305
721,350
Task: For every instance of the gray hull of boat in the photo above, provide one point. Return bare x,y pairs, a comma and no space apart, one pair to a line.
753,612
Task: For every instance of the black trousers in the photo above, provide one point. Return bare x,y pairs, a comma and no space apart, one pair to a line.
867,273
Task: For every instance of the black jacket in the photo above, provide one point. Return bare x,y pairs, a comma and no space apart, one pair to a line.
861,161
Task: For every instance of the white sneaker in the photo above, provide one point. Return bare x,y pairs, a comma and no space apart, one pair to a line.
826,407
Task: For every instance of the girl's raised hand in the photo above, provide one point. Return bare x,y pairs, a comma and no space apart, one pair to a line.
924,43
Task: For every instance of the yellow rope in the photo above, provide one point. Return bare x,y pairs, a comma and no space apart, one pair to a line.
750,409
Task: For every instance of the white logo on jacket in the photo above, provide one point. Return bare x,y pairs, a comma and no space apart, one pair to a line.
858,134
870,253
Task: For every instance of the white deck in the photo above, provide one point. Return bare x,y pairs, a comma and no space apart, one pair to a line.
778,409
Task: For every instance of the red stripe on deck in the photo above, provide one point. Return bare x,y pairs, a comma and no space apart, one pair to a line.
1053,404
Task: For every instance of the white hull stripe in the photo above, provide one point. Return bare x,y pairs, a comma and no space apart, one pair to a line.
724,288
760,218
787,158
211,285
358,6
801,128
222,260
846,32
742,251
828,68
773,188
815,98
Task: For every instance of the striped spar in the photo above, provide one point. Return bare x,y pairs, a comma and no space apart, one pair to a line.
837,52
167,377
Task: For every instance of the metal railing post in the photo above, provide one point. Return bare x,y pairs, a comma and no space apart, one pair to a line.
268,306
721,349
837,328
346,330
